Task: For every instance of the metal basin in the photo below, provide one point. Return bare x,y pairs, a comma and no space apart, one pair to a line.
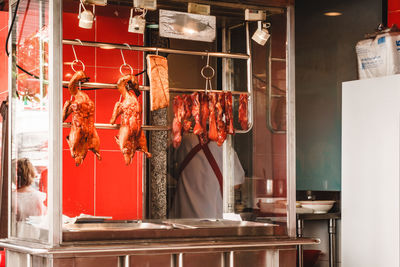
113,226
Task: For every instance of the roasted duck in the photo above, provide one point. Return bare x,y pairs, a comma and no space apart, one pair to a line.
131,136
179,113
229,113
157,69
243,105
212,124
83,135
221,126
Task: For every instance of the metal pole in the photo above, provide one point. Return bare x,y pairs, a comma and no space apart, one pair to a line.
55,118
332,242
300,228
147,88
291,124
249,79
155,49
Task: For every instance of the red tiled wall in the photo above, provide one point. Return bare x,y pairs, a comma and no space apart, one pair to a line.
106,187
393,12
3,56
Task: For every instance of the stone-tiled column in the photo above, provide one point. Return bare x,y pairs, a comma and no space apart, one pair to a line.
158,166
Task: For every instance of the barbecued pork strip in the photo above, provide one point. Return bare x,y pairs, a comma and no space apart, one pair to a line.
179,113
221,126
157,69
229,113
187,123
204,115
243,106
198,129
212,132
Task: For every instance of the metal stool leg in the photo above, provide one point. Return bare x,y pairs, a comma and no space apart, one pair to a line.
300,228
332,242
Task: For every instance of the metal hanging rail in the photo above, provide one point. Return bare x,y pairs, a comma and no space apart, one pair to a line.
247,57
147,88
109,126
155,49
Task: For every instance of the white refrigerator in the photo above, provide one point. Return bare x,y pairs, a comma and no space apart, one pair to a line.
370,172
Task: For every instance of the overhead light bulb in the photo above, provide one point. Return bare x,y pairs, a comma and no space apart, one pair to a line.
261,35
137,24
86,17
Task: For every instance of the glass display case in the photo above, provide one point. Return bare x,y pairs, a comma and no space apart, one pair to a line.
57,198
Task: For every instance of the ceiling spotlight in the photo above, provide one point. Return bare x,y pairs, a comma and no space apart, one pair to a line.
261,35
137,23
332,14
86,17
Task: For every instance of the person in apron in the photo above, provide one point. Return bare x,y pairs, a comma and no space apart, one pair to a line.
199,187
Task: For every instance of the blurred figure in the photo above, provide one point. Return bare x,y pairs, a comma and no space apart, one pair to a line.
29,201
199,189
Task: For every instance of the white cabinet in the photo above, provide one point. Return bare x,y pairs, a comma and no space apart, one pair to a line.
370,172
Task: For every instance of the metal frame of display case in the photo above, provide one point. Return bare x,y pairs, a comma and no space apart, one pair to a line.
55,234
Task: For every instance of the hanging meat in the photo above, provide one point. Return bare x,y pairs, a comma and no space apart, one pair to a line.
83,135
131,137
243,105
157,69
187,123
221,126
229,113
179,113
212,124
198,129
204,116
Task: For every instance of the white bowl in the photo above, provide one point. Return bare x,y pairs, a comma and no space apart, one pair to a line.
319,206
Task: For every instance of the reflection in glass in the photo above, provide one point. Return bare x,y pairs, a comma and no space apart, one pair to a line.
30,122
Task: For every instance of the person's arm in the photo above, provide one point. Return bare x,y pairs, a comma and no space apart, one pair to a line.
238,172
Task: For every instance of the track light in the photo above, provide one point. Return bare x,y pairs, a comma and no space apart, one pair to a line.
86,17
137,23
261,35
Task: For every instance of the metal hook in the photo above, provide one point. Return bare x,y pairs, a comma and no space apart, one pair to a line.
208,78
157,51
123,58
76,60
124,64
130,48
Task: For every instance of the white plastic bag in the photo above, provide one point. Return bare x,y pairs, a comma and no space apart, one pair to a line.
379,56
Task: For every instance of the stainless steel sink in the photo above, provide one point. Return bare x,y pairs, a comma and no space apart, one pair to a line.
113,226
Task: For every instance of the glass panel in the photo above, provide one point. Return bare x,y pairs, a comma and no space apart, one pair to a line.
30,122
258,160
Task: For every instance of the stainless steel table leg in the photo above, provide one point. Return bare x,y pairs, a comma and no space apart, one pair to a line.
332,242
300,228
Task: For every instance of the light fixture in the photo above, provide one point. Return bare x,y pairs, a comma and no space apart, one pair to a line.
261,35
333,14
137,23
86,17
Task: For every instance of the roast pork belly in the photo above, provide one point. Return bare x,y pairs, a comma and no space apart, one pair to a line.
157,69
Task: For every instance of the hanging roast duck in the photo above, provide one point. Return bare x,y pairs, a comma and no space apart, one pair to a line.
83,135
131,136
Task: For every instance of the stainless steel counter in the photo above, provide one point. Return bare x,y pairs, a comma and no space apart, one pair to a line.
172,243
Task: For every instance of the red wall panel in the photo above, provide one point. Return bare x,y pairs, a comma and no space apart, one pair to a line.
393,12
106,187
